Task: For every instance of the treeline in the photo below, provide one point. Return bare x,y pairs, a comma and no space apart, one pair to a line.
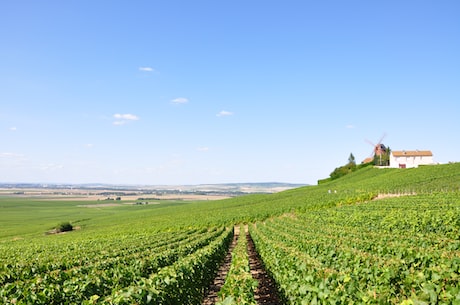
345,169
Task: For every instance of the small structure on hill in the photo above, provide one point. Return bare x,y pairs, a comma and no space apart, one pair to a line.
410,158
380,154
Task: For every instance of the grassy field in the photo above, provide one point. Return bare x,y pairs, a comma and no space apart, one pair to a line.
32,218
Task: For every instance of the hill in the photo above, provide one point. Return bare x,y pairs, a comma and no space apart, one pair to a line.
361,185
331,243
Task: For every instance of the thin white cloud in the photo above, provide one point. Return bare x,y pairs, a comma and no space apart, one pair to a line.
51,167
122,119
350,126
179,100
224,113
13,128
203,149
127,117
146,69
11,155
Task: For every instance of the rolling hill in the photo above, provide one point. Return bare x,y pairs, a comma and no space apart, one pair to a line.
328,244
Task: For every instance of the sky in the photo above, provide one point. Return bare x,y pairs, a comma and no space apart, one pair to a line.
197,92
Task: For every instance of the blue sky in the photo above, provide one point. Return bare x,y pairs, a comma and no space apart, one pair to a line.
192,92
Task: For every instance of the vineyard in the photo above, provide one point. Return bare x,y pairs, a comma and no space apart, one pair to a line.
327,244
380,253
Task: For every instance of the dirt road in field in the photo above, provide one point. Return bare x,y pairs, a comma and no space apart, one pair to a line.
211,296
266,292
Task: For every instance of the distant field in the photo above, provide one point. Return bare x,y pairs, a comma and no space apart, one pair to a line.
82,194
31,217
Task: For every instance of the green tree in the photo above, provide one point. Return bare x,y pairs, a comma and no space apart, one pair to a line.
345,169
351,159
64,227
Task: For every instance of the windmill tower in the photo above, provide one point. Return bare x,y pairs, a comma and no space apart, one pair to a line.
379,150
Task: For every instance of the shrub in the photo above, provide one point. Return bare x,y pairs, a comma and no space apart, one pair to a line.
64,227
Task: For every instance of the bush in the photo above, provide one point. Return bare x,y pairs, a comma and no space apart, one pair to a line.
343,170
64,227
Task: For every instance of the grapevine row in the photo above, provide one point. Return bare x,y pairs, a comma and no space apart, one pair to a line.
239,285
183,282
81,283
324,257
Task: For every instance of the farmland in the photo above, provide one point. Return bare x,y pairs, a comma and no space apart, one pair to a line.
326,244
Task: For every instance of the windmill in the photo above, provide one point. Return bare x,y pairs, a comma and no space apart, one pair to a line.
379,149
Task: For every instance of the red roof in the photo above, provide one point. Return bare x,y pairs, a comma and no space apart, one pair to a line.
367,160
412,153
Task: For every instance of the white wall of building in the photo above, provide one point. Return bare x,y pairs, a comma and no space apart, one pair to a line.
409,160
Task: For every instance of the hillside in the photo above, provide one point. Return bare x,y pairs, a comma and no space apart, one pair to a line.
361,185
324,244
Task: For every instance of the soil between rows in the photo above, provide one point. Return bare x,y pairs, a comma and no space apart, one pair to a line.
266,292
211,296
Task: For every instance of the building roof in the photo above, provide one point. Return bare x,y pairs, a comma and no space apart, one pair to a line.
367,160
412,153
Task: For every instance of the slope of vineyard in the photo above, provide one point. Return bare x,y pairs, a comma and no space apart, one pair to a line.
329,244
403,250
77,270
382,252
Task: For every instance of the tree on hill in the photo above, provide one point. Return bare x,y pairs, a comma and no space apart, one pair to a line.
345,169
351,159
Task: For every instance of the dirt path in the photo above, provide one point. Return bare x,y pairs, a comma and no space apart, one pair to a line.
211,296
266,292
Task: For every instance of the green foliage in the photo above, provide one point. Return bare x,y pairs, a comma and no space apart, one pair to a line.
351,159
393,251
239,285
180,283
114,269
338,247
344,170
64,227
322,181
168,215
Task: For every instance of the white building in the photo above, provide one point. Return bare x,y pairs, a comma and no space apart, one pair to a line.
410,158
